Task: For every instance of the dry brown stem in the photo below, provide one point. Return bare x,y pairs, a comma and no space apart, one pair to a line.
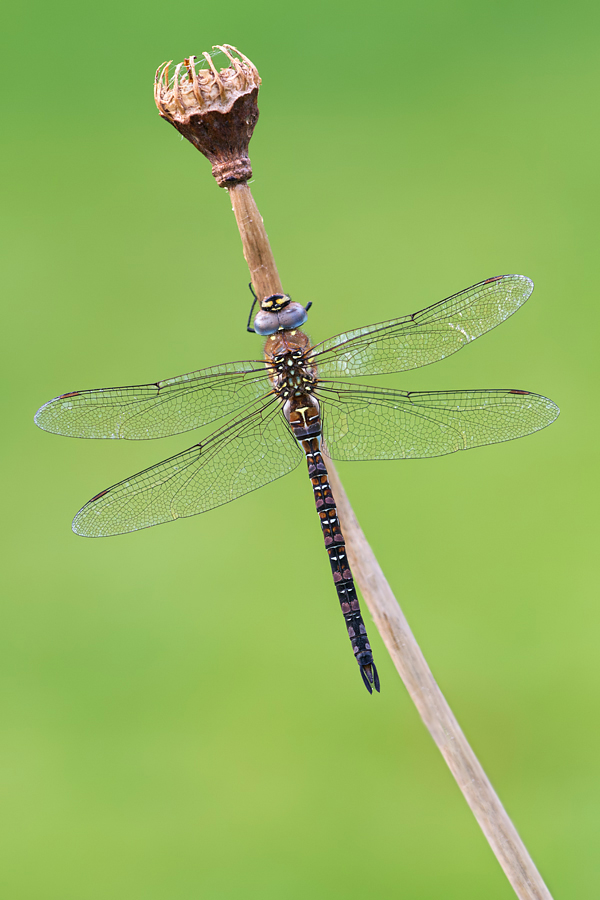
257,250
393,627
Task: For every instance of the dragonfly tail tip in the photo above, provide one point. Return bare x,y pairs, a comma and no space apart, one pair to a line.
370,677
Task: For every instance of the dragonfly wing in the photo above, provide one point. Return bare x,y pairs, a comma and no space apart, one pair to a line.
377,423
145,411
426,336
246,454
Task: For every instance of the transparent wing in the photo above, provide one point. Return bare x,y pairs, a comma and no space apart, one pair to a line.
377,423
426,336
249,452
145,411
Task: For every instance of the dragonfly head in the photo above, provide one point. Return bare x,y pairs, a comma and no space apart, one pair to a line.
278,313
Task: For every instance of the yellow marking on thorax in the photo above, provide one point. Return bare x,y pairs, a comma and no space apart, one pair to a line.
301,410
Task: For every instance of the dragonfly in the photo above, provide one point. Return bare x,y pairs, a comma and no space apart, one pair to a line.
291,406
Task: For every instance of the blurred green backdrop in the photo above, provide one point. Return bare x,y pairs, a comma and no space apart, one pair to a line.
164,735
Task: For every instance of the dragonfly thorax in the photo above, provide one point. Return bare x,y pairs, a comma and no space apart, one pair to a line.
291,376
294,381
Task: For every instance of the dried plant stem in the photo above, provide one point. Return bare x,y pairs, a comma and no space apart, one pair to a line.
257,250
393,627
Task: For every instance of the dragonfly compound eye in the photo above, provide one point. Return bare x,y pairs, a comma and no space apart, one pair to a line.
266,322
291,316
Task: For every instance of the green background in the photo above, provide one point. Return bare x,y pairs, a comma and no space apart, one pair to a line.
181,714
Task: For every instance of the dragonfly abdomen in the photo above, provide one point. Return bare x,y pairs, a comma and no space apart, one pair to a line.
340,567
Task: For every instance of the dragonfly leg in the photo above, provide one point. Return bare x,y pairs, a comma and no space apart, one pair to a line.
249,325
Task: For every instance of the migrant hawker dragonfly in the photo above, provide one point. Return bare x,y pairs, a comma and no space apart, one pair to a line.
290,406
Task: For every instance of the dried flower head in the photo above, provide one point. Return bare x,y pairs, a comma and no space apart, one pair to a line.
216,111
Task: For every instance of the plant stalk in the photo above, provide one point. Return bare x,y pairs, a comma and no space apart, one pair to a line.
255,243
406,654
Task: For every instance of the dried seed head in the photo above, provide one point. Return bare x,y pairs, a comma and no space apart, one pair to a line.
216,111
